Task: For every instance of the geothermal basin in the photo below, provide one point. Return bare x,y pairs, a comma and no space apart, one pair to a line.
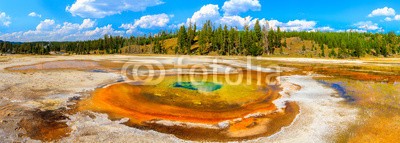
197,99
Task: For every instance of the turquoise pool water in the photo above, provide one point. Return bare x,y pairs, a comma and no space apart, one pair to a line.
199,86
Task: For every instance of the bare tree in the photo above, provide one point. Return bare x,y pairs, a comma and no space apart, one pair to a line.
265,37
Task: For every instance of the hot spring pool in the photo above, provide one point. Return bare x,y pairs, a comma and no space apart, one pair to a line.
209,109
198,86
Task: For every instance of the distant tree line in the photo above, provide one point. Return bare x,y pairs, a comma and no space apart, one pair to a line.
353,44
106,45
262,40
222,40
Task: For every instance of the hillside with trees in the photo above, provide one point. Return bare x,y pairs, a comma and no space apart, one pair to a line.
223,40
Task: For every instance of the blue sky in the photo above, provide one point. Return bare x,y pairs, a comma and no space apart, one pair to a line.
69,20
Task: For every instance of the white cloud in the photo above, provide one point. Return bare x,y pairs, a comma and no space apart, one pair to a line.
34,14
148,22
127,26
299,25
211,12
274,24
388,19
5,20
324,29
382,12
294,25
235,21
50,25
397,17
71,28
368,25
99,32
234,7
207,12
47,24
355,30
103,8
87,23
49,30
130,29
175,26
152,21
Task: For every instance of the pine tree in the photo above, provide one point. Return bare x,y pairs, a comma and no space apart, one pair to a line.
271,41
236,45
398,49
246,40
203,40
278,40
231,41
209,35
225,41
182,40
205,37
219,40
257,31
332,54
284,43
190,38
